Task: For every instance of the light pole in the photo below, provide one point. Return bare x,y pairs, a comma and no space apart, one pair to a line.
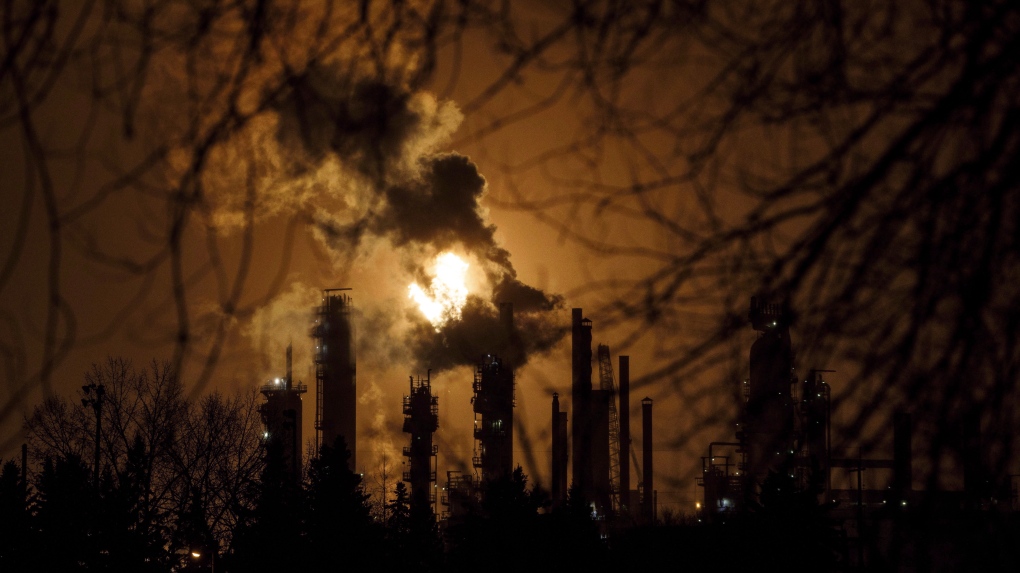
197,554
94,397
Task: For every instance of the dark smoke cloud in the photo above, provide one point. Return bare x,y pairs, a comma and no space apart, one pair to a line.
420,201
367,123
480,332
524,297
440,208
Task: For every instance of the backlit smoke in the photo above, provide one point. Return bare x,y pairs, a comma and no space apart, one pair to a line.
447,293
396,187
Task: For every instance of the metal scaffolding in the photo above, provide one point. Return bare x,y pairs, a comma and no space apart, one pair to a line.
608,384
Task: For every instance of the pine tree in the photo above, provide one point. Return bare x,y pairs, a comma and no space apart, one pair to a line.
192,538
66,508
15,527
270,536
340,530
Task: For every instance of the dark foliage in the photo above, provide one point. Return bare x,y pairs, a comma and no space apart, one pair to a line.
271,535
17,538
67,504
340,530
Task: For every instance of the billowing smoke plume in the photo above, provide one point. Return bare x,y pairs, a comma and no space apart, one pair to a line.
418,200
480,332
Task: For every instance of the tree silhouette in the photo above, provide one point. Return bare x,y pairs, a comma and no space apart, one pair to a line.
17,542
66,508
192,535
340,530
161,454
271,535
509,533
850,161
412,534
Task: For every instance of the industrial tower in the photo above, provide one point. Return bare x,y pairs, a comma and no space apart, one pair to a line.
494,402
607,385
281,415
580,402
421,420
768,423
335,369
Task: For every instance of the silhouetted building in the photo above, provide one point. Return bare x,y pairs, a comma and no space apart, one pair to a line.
281,415
768,421
815,405
493,403
335,369
421,420
493,406
460,497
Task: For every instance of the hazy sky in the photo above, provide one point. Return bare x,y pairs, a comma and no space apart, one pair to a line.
292,201
182,186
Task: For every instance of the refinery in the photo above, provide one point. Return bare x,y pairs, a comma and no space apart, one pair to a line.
781,437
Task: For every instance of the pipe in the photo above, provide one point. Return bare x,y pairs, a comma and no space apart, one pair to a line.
648,507
557,495
289,363
624,432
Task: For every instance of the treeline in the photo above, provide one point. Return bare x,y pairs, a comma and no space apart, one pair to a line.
188,485
170,469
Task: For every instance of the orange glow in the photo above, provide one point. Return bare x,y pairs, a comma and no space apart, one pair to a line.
445,297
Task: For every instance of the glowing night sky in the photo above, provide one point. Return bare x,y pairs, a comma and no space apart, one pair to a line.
183,189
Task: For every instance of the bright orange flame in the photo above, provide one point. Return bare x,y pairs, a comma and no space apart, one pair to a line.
447,294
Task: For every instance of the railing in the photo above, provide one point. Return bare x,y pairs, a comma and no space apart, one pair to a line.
407,450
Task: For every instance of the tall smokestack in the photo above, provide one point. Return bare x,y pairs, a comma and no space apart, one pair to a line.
647,505
554,466
625,432
290,362
902,455
580,427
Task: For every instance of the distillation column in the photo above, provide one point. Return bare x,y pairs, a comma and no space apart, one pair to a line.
335,369
494,401
421,420
768,424
281,415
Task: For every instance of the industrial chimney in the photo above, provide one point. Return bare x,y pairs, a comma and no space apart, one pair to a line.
624,434
581,397
647,498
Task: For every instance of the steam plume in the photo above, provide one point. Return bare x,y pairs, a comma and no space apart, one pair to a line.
421,202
